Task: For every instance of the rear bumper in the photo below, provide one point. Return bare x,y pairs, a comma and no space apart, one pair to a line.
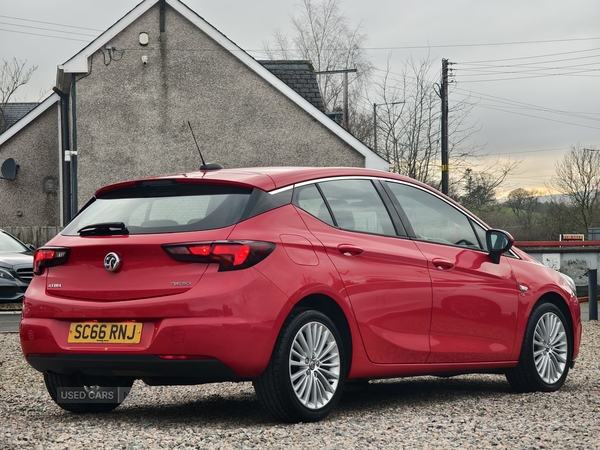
206,346
137,366
234,319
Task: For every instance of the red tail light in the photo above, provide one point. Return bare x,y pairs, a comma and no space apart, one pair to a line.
48,257
231,255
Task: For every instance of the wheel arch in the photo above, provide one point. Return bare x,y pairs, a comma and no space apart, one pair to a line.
331,309
560,303
535,372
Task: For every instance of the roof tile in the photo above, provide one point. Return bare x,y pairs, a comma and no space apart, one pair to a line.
298,75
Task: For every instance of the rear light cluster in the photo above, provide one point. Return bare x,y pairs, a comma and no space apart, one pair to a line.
230,255
48,257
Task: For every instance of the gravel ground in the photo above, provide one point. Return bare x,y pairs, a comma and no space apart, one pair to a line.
466,412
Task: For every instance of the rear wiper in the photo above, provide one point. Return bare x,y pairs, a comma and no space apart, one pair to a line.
103,229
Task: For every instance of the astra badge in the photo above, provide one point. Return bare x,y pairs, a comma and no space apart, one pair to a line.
112,262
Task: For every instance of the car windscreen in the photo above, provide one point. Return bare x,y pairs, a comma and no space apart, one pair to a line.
167,207
9,244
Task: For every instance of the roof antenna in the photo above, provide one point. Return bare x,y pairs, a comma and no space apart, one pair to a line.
204,166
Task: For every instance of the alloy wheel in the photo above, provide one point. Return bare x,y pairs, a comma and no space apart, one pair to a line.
314,365
550,348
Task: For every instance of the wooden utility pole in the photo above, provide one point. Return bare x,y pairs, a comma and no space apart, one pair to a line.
345,72
345,116
444,96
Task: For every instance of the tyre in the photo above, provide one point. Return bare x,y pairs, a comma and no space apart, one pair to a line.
545,354
305,376
80,394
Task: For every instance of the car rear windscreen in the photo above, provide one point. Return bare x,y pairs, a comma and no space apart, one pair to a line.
165,206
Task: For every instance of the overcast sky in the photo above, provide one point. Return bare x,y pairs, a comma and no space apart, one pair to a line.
532,67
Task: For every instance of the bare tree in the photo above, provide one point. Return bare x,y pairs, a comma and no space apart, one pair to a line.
323,35
388,106
409,132
578,177
13,75
408,120
408,104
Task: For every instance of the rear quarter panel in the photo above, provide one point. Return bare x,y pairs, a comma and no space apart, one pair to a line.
300,276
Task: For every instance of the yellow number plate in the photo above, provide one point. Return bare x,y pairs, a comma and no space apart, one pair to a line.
105,332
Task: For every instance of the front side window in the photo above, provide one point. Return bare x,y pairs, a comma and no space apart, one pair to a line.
433,219
481,234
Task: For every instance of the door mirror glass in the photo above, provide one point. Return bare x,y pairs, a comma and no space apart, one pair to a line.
498,242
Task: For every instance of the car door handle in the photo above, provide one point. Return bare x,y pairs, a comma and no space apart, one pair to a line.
350,250
442,264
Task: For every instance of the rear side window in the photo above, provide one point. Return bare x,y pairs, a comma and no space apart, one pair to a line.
309,199
356,206
166,208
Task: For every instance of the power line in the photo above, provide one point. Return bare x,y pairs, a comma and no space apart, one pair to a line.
46,29
496,108
513,108
507,101
533,116
531,73
523,69
529,57
45,35
521,152
49,23
527,77
526,106
485,44
417,47
489,44
530,64
519,105
523,105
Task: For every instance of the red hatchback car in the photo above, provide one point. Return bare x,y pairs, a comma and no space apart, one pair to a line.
297,279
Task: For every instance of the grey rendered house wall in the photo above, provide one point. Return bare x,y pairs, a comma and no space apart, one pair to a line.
35,148
132,118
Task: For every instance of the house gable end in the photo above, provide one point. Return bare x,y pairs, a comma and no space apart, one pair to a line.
79,64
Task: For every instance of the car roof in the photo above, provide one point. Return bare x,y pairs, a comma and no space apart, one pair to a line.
265,178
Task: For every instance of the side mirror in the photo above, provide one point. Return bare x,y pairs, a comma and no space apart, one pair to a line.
498,242
31,247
